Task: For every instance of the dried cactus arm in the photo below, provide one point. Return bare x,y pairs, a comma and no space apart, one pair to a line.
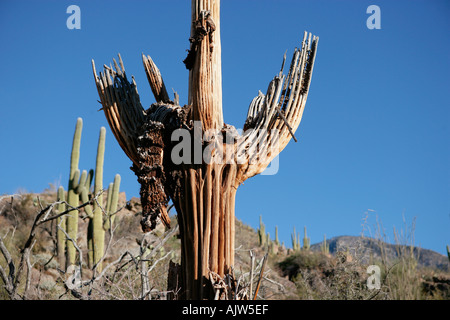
121,105
298,83
138,131
155,80
273,118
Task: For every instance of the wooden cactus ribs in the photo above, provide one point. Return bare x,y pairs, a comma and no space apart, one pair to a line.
140,133
203,192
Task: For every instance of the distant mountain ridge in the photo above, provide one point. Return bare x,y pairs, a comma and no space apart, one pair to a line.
370,249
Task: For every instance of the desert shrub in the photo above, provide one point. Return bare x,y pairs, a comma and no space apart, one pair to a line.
19,212
321,277
302,260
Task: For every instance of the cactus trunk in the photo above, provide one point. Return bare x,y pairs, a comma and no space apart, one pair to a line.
277,242
113,200
73,198
262,233
325,248
295,238
79,189
306,241
98,233
60,236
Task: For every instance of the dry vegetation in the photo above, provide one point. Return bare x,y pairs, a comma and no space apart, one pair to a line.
137,264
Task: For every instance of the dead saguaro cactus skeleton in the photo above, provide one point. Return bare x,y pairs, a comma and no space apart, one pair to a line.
203,185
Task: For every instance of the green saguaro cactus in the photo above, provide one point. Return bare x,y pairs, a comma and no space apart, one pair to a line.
100,219
73,198
306,241
277,242
98,233
262,233
295,238
69,223
61,225
325,247
113,201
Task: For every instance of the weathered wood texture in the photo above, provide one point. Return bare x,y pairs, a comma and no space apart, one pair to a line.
155,80
122,106
205,74
275,116
203,192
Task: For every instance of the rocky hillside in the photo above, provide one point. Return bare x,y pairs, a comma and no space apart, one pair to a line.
302,274
369,250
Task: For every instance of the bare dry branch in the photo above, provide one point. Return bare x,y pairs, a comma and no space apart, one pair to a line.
261,274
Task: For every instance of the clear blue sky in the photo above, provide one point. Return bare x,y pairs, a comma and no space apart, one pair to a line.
374,135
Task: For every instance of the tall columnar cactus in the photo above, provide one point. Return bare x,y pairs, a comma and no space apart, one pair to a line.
272,247
448,253
295,237
100,218
306,241
325,247
73,198
79,189
66,249
98,233
262,233
277,242
113,201
61,223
